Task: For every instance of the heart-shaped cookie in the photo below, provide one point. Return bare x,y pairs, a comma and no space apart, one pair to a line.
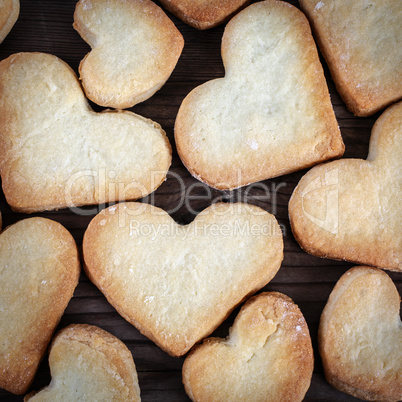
56,152
9,11
271,114
360,336
361,42
135,48
176,283
204,14
267,357
350,209
87,363
39,270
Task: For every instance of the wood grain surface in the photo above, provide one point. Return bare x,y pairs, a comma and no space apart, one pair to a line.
46,26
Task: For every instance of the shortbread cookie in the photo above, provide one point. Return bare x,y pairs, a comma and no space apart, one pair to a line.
9,11
361,42
360,336
39,270
267,357
204,14
135,48
350,209
175,283
87,363
271,114
55,152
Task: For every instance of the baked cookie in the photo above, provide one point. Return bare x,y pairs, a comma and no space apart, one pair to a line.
39,270
55,152
360,336
267,357
204,14
350,209
361,42
87,363
176,283
9,11
271,114
135,48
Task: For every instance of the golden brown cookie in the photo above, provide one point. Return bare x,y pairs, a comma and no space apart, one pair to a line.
350,209
176,283
204,14
39,270
360,336
9,11
87,363
361,42
271,114
135,48
267,357
55,152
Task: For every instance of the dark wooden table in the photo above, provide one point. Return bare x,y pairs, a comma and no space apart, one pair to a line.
46,26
